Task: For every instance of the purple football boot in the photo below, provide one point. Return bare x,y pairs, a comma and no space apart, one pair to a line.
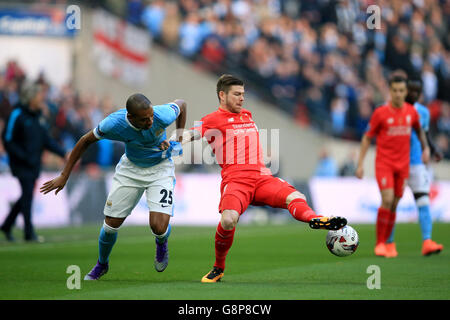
162,256
98,271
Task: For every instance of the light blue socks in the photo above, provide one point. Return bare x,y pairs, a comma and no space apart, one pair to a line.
161,238
106,241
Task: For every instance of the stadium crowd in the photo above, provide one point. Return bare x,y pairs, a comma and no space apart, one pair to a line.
321,60
68,114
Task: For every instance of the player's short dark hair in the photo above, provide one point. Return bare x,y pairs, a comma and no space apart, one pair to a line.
137,101
226,81
415,83
395,78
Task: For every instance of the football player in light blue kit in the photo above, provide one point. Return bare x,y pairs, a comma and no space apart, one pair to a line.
146,166
420,176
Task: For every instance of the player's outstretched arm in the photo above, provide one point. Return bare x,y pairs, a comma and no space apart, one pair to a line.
187,136
59,182
435,152
190,135
365,144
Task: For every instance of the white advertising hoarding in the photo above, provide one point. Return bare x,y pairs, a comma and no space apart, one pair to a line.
197,199
47,211
358,200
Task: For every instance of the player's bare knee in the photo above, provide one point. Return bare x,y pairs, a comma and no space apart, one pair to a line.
158,229
295,195
229,219
159,222
159,226
114,222
387,200
387,203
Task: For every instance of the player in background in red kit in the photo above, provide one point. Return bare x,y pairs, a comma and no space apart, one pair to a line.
391,124
234,138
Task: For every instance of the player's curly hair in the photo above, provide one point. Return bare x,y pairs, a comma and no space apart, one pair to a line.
226,81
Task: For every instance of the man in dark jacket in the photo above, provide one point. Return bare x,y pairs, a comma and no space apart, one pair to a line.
25,137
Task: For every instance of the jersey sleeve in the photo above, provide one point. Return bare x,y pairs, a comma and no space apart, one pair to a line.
425,119
106,129
167,113
374,124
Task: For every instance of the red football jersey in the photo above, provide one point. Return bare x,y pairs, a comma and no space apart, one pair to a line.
234,139
392,128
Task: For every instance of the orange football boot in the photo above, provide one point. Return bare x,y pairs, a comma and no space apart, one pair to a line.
430,247
380,250
391,250
213,276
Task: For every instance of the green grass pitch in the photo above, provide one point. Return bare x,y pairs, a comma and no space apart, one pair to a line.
289,262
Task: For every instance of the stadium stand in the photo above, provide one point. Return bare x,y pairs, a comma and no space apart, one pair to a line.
318,59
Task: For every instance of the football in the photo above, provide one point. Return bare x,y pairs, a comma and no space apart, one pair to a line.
342,242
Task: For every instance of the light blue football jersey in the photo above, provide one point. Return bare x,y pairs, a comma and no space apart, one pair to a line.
142,146
416,147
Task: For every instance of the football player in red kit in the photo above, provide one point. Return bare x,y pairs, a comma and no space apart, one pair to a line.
391,124
234,139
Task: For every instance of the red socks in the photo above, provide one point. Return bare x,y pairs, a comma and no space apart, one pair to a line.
385,224
224,240
391,224
300,210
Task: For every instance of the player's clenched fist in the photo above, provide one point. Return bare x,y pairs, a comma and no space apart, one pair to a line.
164,145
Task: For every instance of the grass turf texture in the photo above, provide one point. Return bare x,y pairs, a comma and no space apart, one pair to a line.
288,262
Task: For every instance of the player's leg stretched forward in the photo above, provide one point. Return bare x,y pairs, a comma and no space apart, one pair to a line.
160,227
295,202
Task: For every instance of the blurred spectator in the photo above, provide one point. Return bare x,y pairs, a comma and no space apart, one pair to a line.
153,16
213,53
25,138
69,114
348,168
326,166
134,11
170,26
443,144
192,33
339,108
443,123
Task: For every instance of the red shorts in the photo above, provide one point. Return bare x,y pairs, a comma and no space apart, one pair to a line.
240,189
389,177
